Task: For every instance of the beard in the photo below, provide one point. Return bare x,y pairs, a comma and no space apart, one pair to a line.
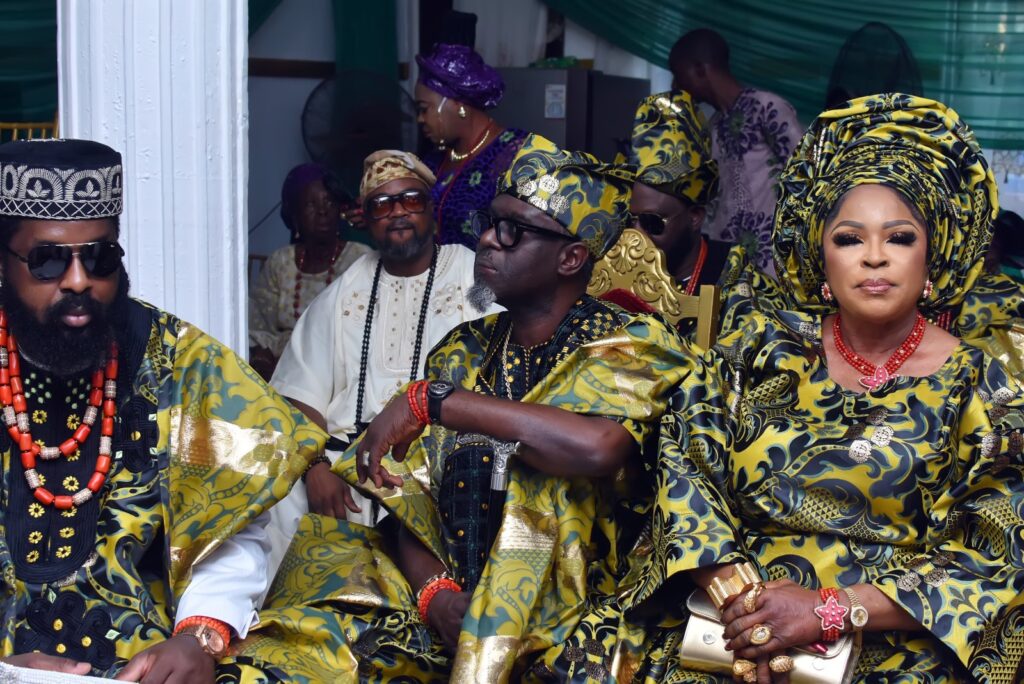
403,251
480,297
57,347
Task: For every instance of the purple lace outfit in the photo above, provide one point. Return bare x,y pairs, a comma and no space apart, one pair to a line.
459,73
471,186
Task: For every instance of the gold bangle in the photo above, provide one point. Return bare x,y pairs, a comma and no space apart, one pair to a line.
744,577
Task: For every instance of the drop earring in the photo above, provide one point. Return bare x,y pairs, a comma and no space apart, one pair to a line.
928,288
462,112
826,292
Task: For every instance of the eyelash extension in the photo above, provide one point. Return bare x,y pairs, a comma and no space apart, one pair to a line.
846,239
903,238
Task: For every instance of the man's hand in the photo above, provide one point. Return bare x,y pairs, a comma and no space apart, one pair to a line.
179,660
40,661
445,615
328,494
393,430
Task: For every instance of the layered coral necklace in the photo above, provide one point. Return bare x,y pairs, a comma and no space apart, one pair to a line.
873,375
15,411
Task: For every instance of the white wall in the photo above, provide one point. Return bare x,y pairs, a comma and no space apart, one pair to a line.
298,29
166,87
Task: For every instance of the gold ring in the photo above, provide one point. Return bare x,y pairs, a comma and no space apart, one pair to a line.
750,600
780,664
750,676
741,667
760,634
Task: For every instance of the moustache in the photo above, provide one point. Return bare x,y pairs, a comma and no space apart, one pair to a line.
75,303
401,224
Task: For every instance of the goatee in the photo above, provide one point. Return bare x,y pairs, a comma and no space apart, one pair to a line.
480,297
59,348
407,250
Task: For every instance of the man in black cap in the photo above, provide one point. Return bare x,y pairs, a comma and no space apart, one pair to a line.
140,455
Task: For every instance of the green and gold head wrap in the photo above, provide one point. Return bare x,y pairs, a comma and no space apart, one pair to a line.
672,148
916,146
589,198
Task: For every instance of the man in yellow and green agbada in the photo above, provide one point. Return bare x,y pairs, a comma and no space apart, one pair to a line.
140,456
520,477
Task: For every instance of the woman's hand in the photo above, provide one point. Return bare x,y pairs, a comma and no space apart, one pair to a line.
393,430
785,607
354,215
763,673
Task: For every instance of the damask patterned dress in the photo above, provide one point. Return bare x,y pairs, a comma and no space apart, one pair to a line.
916,487
546,604
468,187
200,449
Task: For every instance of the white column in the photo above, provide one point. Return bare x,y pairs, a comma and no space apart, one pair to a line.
164,83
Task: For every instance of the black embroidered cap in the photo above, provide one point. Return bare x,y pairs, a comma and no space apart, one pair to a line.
60,179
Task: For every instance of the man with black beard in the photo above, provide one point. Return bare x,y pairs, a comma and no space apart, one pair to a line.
369,332
140,455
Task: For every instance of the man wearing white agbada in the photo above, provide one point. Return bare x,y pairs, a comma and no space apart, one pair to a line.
369,333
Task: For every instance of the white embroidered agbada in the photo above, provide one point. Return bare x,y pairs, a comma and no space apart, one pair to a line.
320,365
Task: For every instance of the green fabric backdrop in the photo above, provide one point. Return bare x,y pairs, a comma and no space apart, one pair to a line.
28,60
970,52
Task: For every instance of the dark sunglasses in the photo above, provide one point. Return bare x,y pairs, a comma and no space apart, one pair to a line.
49,262
652,224
381,206
509,232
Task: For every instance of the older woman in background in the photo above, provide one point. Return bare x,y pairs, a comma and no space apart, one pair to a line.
311,205
454,92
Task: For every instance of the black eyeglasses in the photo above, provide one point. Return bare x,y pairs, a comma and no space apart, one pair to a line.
508,231
381,206
652,224
49,262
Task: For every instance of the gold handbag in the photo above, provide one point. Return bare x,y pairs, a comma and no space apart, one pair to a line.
703,649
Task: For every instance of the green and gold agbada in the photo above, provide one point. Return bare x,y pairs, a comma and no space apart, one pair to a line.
573,560
201,448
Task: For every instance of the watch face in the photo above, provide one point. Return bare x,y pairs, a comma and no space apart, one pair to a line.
440,388
859,616
212,642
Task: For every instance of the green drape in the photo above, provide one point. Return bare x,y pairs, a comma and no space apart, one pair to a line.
365,36
970,52
259,12
28,60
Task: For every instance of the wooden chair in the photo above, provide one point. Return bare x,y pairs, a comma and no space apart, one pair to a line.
635,266
28,130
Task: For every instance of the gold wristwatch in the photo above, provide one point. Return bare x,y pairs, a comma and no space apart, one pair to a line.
210,640
744,576
858,613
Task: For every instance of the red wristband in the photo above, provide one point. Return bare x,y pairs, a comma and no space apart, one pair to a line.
832,614
416,405
429,591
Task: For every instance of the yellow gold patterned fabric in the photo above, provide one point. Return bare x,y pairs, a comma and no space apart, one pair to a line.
671,148
917,146
202,446
914,487
589,198
546,606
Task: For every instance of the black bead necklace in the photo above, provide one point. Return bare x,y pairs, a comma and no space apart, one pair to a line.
364,354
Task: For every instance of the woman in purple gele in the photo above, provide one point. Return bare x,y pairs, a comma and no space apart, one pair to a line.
455,90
